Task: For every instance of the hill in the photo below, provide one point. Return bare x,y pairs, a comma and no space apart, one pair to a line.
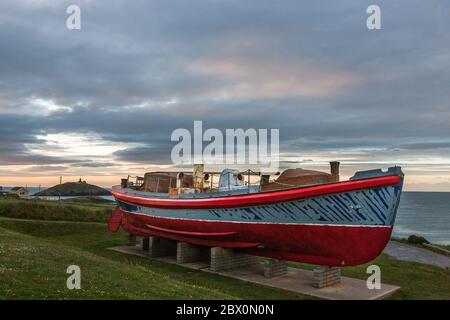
73,189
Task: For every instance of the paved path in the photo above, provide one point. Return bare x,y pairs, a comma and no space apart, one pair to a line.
405,252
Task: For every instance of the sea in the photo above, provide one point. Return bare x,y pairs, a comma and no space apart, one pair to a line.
424,214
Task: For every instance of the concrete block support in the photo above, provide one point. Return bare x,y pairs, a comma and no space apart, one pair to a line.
160,247
145,244
275,268
190,253
326,276
224,258
131,240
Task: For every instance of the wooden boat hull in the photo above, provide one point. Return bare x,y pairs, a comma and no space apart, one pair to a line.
340,224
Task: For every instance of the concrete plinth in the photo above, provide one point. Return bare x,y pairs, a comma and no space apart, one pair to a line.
224,258
160,247
190,253
275,268
131,240
296,280
145,245
326,276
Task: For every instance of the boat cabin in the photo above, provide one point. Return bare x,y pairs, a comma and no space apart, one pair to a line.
228,180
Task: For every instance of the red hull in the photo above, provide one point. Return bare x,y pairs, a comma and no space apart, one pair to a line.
315,244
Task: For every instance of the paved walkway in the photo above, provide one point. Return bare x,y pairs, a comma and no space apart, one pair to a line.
406,252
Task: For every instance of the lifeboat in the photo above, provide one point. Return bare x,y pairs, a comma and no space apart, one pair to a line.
302,215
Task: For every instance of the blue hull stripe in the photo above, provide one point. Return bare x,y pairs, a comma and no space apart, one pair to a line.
371,207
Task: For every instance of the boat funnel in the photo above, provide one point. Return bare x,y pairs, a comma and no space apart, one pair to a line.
334,170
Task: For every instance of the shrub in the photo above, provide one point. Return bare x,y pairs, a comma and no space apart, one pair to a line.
417,239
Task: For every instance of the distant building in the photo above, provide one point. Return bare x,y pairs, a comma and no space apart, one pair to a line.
21,192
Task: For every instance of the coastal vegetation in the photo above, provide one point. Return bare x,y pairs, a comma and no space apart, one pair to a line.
14,207
89,200
40,239
413,239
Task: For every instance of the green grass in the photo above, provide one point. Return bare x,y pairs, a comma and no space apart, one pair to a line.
54,210
417,281
89,200
34,255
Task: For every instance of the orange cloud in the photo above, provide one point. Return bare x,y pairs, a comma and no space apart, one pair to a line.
274,79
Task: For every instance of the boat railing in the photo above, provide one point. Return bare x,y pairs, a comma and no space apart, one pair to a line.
164,183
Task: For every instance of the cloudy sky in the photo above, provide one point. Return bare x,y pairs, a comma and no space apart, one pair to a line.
101,102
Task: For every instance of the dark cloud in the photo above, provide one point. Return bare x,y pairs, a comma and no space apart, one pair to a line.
423,146
93,164
27,159
156,155
138,70
41,169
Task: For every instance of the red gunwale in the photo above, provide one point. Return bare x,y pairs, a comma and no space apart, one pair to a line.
256,199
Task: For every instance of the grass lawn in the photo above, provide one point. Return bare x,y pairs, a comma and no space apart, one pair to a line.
417,281
54,210
34,256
